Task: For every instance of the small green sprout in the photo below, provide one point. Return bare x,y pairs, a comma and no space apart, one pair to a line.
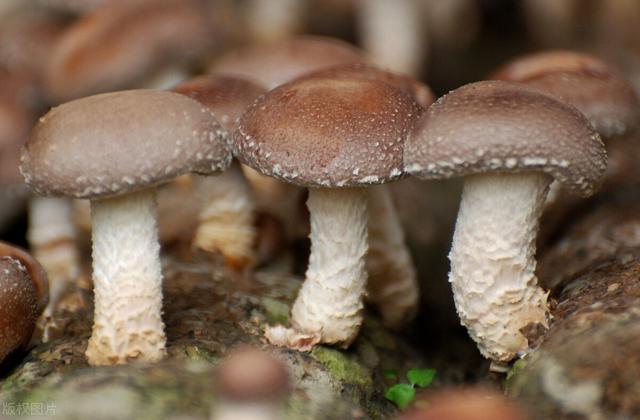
403,394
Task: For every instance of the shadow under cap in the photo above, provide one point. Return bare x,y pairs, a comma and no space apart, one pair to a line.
496,126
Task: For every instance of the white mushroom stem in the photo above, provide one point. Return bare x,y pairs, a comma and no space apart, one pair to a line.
226,221
328,308
53,240
127,281
274,20
166,77
392,286
330,300
493,262
391,31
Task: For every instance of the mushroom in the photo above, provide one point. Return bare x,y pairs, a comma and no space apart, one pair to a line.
509,141
114,149
251,385
334,136
392,285
226,220
272,64
121,44
594,88
23,295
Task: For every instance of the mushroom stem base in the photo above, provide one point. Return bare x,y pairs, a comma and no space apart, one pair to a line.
127,281
330,301
493,262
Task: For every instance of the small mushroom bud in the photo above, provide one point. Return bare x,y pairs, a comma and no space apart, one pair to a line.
23,295
251,386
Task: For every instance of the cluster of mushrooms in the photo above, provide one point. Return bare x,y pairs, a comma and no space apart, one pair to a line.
262,123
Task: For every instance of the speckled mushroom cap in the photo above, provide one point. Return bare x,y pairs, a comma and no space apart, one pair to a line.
119,142
18,306
326,132
496,126
271,65
420,92
226,96
589,84
34,270
122,42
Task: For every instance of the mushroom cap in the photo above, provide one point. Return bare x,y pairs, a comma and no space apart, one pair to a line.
118,142
496,126
418,90
19,308
276,63
226,96
35,271
325,132
119,44
250,374
584,81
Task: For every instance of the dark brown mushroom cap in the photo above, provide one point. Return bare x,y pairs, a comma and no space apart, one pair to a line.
119,142
327,132
18,306
226,96
418,90
35,271
250,374
496,126
271,65
119,44
589,84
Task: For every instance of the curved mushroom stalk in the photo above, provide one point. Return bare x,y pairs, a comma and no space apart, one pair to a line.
227,217
392,286
328,308
391,32
53,240
274,20
493,262
127,281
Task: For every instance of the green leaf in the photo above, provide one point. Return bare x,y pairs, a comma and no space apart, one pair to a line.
390,374
401,395
421,377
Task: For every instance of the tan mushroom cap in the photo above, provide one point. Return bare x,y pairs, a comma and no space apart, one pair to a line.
251,374
328,132
584,81
119,142
274,64
418,90
226,96
496,126
120,43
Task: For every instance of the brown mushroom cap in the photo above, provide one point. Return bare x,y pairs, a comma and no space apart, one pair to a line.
120,142
418,90
35,271
120,43
584,81
271,65
19,306
328,132
250,374
226,96
496,126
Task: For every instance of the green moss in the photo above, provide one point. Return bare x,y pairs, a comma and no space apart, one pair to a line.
200,353
276,312
510,382
342,367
